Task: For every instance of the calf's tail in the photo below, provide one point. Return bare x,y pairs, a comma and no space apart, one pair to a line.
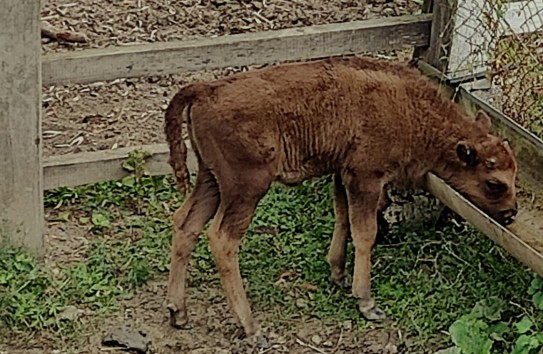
174,136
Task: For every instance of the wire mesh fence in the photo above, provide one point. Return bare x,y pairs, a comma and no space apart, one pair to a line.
504,40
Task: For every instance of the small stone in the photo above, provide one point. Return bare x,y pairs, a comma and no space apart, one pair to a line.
316,339
300,303
328,344
70,313
347,325
308,287
128,338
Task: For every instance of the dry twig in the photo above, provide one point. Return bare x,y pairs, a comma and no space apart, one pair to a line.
62,35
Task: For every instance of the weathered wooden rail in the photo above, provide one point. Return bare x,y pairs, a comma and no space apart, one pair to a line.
236,50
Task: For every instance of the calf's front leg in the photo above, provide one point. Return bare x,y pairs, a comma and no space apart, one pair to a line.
342,231
338,245
363,199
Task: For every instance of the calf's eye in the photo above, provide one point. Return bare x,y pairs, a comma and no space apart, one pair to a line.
496,187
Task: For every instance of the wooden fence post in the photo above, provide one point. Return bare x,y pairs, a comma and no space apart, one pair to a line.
438,51
21,186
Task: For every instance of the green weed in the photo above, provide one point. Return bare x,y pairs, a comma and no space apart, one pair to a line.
484,331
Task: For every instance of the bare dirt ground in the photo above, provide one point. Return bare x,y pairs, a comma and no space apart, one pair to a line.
529,224
212,330
122,22
129,112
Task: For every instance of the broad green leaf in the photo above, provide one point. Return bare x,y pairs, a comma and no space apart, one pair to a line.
536,284
538,299
128,165
471,336
100,219
451,350
497,330
524,344
523,325
129,180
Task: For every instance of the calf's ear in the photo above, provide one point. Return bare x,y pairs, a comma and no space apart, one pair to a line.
466,153
483,121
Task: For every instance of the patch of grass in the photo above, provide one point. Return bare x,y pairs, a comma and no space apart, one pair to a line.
23,285
33,296
128,229
425,279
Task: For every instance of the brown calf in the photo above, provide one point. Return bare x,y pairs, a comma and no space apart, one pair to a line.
367,122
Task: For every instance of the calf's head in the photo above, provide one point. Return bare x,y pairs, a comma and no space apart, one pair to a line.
485,172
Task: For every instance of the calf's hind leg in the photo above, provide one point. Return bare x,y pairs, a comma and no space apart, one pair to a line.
188,222
226,231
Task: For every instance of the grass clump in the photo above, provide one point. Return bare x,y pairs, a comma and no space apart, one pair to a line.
33,296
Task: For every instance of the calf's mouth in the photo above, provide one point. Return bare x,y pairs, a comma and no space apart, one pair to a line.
505,217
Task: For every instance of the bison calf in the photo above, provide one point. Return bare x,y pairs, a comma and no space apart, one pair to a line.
367,122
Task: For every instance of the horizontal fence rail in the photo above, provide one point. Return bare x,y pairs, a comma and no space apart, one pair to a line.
264,47
81,168
502,236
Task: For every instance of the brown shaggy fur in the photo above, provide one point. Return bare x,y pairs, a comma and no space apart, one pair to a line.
366,121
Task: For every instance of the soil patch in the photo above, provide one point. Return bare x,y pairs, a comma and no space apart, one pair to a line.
212,330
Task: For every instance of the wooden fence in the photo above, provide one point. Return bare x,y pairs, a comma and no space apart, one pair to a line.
23,71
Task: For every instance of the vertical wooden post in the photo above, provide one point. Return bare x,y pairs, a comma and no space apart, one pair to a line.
21,194
438,52
422,52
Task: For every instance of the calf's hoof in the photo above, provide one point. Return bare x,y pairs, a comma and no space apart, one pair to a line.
178,318
343,281
370,311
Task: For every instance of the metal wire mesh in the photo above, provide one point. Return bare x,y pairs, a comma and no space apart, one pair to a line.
504,39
